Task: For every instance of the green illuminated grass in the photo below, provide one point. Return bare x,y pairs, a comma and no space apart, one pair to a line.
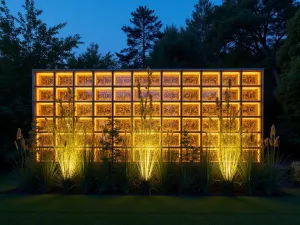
77,209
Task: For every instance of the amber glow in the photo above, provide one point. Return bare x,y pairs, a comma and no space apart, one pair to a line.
182,100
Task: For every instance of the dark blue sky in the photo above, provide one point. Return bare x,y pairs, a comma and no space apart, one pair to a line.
100,21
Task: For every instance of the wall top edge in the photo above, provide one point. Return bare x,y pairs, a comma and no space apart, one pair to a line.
144,70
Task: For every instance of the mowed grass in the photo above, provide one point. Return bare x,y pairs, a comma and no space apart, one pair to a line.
156,210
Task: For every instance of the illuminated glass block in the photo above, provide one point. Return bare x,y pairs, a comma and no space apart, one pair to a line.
122,109
153,140
190,124
251,78
210,125
64,79
153,124
171,109
171,94
210,78
100,123
194,139
190,109
171,78
83,78
210,140
231,125
122,78
83,94
209,109
234,77
171,154
251,94
103,109
122,94
190,78
232,93
154,92
124,124
142,77
44,94
44,109
103,94
63,94
84,109
44,124
251,125
251,109
155,109
125,140
231,109
171,139
64,109
171,124
251,140
85,124
103,78
44,140
191,94
210,94
45,79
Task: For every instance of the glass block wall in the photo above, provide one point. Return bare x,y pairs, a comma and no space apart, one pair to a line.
182,100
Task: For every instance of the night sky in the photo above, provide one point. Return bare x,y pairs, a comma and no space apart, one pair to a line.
100,21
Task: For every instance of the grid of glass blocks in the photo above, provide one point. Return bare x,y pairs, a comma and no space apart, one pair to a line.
182,101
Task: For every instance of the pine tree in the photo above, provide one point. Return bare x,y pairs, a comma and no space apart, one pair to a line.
140,38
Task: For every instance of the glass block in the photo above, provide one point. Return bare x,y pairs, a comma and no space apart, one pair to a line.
122,109
251,78
44,109
171,139
63,94
103,94
234,77
210,78
233,109
154,124
155,109
44,79
191,124
251,94
122,94
103,78
64,109
124,124
194,139
190,109
171,78
171,94
100,123
103,109
64,79
122,78
210,140
84,109
210,94
44,140
191,94
171,154
210,125
83,94
44,124
251,140
83,78
251,125
232,93
171,124
251,109
154,92
44,94
142,77
190,78
209,109
171,109
231,125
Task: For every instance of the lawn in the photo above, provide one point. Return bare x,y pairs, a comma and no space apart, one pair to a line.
79,209
156,210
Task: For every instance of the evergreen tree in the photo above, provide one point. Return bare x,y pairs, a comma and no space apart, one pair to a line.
92,59
141,38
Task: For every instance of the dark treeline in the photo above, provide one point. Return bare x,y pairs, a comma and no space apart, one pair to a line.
237,33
